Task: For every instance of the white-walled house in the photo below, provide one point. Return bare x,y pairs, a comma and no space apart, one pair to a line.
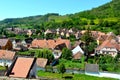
77,52
107,50
6,57
110,47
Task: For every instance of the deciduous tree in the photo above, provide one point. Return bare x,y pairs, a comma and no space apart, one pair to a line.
67,54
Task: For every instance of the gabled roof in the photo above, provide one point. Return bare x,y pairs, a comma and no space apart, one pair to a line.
102,37
3,42
7,55
96,34
61,41
41,62
109,44
39,43
77,49
22,67
50,43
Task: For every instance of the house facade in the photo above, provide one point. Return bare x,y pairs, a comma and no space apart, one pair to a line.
19,45
110,47
108,50
5,44
77,52
6,57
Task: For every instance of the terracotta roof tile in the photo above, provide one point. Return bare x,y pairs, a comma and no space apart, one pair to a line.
96,34
7,55
39,43
109,43
102,37
61,41
3,42
21,67
41,62
50,43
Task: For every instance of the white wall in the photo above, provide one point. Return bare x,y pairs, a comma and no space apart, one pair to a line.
77,49
57,54
5,62
112,51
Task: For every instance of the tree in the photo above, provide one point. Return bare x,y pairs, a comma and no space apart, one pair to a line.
87,37
91,46
82,61
100,22
90,43
92,22
50,36
67,54
45,53
106,62
61,68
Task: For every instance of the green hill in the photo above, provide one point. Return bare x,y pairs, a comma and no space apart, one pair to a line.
104,18
111,9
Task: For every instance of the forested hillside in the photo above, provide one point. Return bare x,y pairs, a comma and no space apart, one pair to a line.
104,18
111,9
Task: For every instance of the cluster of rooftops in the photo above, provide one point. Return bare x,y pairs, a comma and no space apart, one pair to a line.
26,67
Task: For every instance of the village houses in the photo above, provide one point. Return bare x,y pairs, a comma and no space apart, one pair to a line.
106,44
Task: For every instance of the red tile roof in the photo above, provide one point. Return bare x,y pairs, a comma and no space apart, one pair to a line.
39,43
22,67
102,37
97,35
7,55
109,43
41,62
61,41
3,42
50,43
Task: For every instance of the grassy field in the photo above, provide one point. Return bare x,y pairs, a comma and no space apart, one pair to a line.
70,76
59,18
72,64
